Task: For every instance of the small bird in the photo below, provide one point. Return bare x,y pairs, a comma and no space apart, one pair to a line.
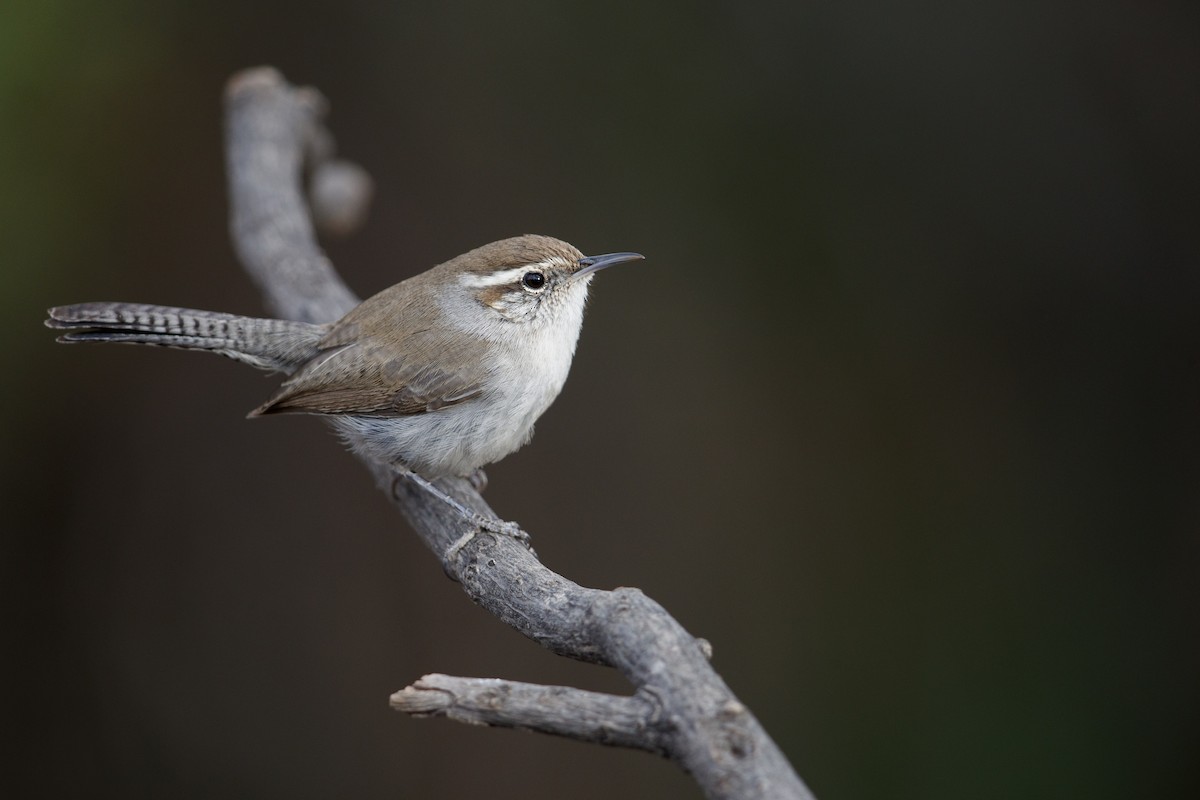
440,375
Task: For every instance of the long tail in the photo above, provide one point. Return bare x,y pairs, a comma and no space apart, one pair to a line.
271,344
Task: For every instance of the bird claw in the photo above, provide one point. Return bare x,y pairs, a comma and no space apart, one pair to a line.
503,528
491,525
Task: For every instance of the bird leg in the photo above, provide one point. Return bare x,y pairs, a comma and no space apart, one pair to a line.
474,518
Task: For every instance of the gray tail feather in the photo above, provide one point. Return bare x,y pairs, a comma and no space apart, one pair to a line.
272,344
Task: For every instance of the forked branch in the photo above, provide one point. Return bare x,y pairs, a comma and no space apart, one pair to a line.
680,708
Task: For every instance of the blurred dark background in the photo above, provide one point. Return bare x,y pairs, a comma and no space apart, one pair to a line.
900,412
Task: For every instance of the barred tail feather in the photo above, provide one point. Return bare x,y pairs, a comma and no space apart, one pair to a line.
271,344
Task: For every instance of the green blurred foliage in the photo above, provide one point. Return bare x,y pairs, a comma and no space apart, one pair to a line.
900,412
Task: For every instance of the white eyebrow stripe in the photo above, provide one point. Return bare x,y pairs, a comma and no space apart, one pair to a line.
508,275
475,281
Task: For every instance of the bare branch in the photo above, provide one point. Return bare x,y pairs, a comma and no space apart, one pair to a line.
270,127
681,707
558,710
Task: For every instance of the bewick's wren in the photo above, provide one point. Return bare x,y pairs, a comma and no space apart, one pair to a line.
440,374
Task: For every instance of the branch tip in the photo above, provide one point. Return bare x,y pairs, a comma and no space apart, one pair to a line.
252,79
421,700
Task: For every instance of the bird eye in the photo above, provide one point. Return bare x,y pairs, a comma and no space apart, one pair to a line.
533,280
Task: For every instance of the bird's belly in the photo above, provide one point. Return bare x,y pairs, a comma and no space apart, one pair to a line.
455,440
458,439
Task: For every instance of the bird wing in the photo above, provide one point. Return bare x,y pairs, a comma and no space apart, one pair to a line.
367,377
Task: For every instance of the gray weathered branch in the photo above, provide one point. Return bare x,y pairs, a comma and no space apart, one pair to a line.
559,710
681,708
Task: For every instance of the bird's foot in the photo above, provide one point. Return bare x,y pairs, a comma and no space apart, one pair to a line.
504,528
480,522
